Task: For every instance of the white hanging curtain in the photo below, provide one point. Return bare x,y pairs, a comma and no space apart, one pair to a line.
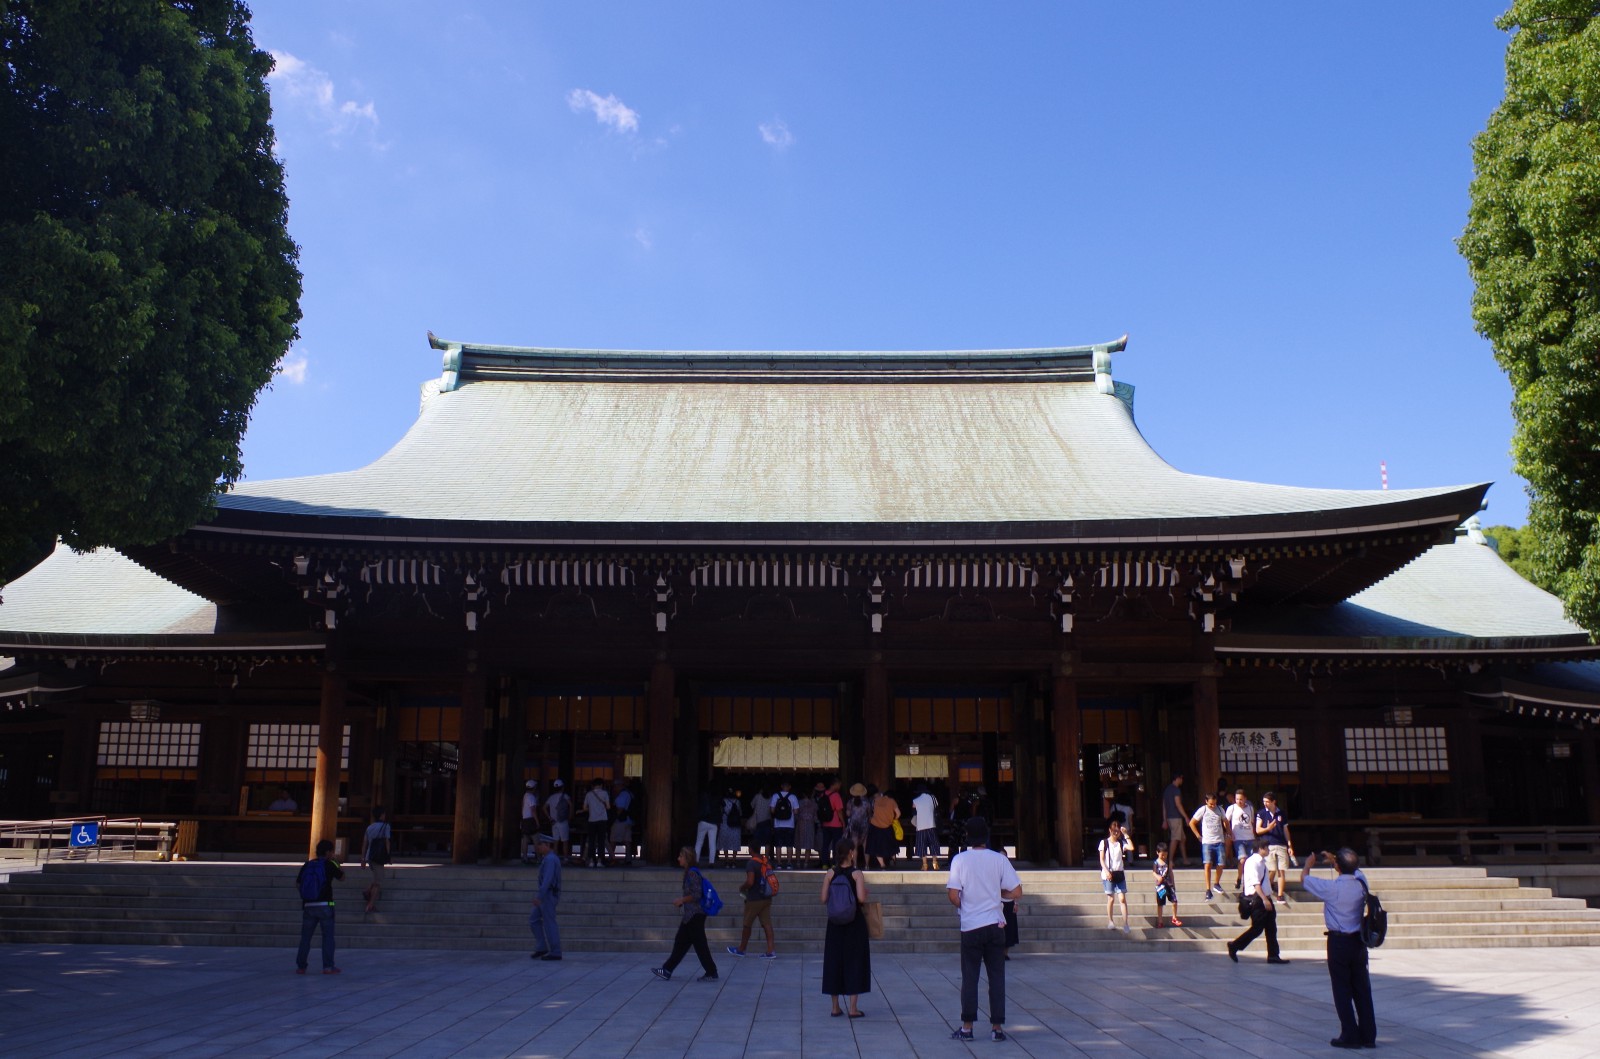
810,753
921,767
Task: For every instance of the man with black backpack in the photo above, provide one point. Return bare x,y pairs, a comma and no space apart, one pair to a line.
1344,906
315,883
784,805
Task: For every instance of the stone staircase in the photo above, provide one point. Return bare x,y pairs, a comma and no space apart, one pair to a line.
627,910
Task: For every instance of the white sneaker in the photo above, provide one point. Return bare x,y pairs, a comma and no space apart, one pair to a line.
1126,929
1111,924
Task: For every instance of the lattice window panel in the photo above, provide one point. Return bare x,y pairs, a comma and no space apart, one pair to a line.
1395,750
289,746
1259,750
149,744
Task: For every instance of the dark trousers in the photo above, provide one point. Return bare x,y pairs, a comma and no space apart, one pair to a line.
691,931
1352,989
1263,920
598,845
985,946
312,917
830,838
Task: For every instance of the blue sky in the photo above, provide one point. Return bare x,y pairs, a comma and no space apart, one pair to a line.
1264,196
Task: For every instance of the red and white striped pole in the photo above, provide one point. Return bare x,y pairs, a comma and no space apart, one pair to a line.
1383,472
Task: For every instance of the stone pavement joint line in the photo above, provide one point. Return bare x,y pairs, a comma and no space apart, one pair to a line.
120,1000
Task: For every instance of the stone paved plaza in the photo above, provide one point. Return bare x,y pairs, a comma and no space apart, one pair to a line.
194,1002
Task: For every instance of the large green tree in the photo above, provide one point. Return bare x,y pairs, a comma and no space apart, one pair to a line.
1533,244
148,284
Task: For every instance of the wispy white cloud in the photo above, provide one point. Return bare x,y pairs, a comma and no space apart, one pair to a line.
642,236
776,134
292,368
297,83
607,110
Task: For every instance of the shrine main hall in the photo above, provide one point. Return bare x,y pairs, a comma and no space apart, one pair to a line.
691,570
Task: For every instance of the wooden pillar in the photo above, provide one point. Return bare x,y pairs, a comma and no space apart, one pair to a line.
330,747
469,774
1029,771
386,749
852,756
1587,740
221,771
1324,784
511,763
1207,732
1066,723
1470,779
660,726
877,749
75,781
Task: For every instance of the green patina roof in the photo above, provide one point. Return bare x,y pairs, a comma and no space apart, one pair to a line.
1454,597
101,593
542,437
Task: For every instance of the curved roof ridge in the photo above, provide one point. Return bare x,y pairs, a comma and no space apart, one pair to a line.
465,361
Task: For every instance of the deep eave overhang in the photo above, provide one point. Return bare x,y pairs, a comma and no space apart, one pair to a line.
1246,647
1177,534
47,644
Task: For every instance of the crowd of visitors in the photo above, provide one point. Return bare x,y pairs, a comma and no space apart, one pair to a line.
867,829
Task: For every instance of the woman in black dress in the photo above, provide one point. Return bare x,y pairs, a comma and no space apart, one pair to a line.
846,957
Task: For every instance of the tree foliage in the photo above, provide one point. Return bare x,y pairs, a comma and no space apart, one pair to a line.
1533,245
148,284
1515,546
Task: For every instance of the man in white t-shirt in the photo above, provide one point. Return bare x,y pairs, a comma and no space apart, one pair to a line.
1263,913
1211,828
925,819
1242,827
597,810
980,879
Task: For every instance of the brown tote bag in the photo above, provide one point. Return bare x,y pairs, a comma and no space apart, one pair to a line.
873,910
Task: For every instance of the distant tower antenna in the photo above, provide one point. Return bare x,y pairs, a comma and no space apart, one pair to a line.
1383,472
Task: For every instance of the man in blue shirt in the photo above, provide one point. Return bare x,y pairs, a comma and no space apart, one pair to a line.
542,917
1271,825
1344,898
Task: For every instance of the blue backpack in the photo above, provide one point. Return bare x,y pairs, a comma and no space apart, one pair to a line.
842,906
313,874
710,903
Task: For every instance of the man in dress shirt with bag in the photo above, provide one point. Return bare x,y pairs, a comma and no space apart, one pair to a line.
1344,898
980,879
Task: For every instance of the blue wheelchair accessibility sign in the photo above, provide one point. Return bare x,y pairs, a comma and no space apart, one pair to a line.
84,835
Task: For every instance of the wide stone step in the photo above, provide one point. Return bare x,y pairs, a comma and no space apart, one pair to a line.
626,909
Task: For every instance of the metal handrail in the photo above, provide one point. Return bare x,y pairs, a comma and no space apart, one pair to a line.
120,838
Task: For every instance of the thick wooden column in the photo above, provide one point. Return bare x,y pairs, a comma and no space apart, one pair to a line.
1066,723
330,746
660,725
1207,732
511,763
1030,808
221,771
1470,779
1324,784
877,767
469,774
1589,748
